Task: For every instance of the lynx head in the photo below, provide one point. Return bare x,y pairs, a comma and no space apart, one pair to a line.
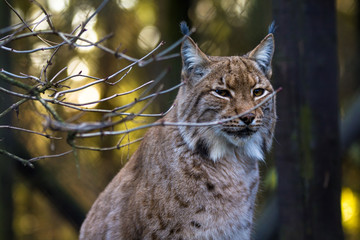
217,88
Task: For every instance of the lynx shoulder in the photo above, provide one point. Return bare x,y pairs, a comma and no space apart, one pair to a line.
191,182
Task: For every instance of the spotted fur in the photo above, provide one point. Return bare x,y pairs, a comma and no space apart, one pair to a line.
189,182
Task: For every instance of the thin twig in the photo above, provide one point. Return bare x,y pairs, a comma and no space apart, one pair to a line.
14,82
48,19
122,77
13,156
111,97
117,146
30,131
57,74
145,98
16,94
149,115
23,21
32,50
13,107
61,93
12,74
49,156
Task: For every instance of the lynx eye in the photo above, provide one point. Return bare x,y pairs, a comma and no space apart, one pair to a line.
258,92
222,92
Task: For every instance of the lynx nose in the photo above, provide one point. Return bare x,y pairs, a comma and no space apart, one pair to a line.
248,118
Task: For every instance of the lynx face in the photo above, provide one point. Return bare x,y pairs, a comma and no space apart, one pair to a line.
222,87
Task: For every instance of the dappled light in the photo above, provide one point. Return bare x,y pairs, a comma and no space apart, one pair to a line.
205,10
238,8
39,18
127,4
81,14
148,38
88,95
91,36
78,66
350,210
38,58
58,6
146,13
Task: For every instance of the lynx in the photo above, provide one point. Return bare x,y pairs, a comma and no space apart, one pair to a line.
191,182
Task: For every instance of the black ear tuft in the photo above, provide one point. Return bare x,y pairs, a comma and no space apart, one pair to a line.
184,28
272,27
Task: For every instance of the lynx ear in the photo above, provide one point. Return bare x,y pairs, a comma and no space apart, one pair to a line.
263,54
194,60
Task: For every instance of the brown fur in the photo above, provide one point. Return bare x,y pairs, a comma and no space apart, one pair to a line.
187,182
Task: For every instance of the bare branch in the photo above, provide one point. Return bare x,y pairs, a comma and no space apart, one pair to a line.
57,88
117,146
23,161
101,6
18,15
48,19
30,131
111,97
13,106
50,156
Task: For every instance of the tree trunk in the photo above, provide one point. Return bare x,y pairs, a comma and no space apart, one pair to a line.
170,15
6,163
308,162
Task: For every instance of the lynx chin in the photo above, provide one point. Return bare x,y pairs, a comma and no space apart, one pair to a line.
187,182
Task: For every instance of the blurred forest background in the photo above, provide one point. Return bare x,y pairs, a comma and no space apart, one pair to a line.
50,200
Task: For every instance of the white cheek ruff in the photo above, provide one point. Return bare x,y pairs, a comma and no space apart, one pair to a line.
249,146
219,148
221,145
252,147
